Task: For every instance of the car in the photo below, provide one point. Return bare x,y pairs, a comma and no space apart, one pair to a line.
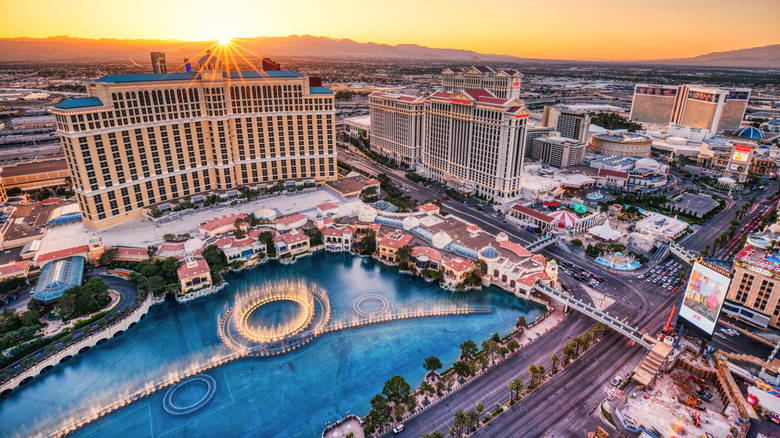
398,428
704,395
640,276
648,279
669,287
616,381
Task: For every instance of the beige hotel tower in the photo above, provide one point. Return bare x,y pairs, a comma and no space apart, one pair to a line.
140,140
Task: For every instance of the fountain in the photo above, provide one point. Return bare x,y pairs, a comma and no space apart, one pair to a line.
619,261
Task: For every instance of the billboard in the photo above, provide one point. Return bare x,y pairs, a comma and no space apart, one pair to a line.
741,153
704,295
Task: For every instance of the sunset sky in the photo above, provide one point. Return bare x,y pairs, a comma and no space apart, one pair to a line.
558,29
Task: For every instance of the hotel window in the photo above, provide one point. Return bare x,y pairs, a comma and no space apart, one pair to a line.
763,295
744,288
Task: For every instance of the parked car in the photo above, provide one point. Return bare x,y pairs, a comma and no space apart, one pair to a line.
704,395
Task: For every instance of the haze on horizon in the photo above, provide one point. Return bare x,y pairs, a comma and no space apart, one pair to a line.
561,29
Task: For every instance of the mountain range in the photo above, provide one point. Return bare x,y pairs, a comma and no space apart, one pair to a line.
67,49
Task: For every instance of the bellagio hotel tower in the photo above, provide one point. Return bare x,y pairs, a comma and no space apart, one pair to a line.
142,140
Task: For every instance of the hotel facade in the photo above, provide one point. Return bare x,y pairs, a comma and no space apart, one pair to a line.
141,140
397,126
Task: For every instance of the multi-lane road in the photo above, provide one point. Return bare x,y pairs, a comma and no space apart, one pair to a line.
564,404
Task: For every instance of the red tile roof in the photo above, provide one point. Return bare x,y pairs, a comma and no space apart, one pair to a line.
533,213
192,268
61,254
293,236
530,279
515,248
245,242
14,268
171,247
432,253
388,240
131,252
539,258
225,241
615,173
326,231
429,207
483,69
458,264
287,220
255,234
221,222
327,206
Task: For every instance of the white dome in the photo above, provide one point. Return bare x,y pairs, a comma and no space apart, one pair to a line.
367,214
193,244
441,240
266,213
410,222
502,237
647,163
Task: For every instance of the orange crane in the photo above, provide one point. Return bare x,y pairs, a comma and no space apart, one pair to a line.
668,327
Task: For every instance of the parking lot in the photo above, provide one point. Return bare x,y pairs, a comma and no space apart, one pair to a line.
666,276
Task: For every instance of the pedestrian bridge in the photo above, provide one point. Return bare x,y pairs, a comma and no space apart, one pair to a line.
614,323
684,254
542,243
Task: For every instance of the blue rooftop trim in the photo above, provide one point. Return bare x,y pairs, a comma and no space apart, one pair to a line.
82,102
151,77
264,74
319,90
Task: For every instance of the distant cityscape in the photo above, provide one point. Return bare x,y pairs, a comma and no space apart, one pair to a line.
551,249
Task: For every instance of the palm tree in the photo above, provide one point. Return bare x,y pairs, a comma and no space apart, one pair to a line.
516,385
480,407
554,358
533,370
568,352
473,420
587,337
460,420
541,372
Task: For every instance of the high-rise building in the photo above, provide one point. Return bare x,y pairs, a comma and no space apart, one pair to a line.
570,122
556,151
734,109
754,294
397,126
711,109
141,140
158,63
504,83
474,141
533,132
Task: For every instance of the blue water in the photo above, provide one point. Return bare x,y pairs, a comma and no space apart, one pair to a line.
630,266
294,395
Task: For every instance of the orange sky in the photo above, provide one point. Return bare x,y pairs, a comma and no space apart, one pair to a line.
562,29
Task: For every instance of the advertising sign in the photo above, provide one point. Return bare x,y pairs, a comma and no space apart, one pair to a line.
702,96
657,91
704,295
741,153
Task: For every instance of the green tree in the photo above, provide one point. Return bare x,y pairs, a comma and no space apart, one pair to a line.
268,238
469,348
513,345
534,371
403,255
381,412
516,386
480,407
577,243
521,322
315,236
169,266
396,389
462,368
554,358
156,285
472,418
541,372
436,434
108,257
367,244
432,363
151,250
460,420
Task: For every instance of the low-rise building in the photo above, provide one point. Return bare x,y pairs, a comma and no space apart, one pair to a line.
352,186
222,225
656,228
389,245
247,250
291,244
456,270
14,270
532,218
290,222
621,143
336,239
194,274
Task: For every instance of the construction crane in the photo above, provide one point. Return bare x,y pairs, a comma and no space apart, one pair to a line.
668,327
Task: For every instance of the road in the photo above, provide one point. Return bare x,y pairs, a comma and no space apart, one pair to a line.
552,409
127,292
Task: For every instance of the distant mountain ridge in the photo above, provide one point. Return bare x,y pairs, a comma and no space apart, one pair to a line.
66,49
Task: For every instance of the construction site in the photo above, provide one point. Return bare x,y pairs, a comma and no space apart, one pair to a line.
692,396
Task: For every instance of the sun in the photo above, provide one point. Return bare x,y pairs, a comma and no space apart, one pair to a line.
224,40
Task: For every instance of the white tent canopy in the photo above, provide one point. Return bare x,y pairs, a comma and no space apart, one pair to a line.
604,232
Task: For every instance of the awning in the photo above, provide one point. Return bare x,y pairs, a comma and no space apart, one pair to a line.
198,198
164,207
